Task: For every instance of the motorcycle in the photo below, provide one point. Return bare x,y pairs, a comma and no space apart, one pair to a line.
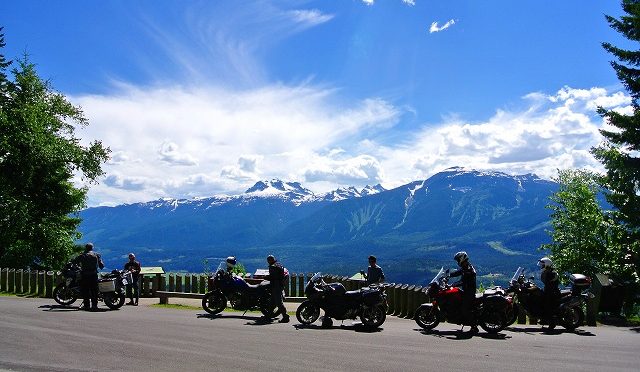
528,296
111,287
445,304
225,286
368,303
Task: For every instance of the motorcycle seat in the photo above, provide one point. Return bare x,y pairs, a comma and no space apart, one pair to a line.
352,293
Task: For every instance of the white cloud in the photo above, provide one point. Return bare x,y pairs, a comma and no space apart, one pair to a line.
310,18
368,2
409,2
309,134
435,28
169,153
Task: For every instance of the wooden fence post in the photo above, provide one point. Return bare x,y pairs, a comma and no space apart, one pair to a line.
19,280
48,293
172,282
415,301
390,295
203,284
33,282
144,287
41,275
11,281
3,279
178,282
522,316
194,284
397,299
293,278
301,285
408,300
187,283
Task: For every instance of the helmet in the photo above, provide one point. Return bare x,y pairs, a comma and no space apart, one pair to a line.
545,263
231,262
461,257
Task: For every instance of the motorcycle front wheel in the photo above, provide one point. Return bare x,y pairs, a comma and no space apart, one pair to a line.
427,318
114,301
373,317
214,303
512,314
307,312
493,321
64,295
572,318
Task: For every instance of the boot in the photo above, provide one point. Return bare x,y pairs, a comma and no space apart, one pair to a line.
285,318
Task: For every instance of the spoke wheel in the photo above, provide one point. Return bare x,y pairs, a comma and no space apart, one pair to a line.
427,318
373,317
307,313
214,303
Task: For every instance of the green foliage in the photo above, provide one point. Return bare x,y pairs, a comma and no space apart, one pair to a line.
239,269
584,239
40,157
619,154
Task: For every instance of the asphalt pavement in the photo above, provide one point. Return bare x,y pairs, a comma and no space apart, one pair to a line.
39,335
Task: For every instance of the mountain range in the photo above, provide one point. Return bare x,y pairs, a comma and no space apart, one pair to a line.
499,219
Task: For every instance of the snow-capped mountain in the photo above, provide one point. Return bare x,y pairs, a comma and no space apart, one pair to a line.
498,218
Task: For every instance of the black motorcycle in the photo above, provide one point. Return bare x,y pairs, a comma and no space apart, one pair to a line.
225,286
111,287
529,297
445,304
368,303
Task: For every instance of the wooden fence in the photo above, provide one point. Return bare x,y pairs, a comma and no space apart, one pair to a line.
403,299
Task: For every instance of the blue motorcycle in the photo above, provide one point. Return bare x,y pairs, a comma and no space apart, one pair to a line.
227,287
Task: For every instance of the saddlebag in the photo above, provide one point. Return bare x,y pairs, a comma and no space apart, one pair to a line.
106,285
579,283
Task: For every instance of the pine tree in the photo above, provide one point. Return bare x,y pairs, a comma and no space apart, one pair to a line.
619,153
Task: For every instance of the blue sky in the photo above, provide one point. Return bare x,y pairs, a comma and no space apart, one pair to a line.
197,98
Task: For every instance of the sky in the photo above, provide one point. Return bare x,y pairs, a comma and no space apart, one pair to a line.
201,98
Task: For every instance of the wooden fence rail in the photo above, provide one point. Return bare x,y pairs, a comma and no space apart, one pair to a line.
403,299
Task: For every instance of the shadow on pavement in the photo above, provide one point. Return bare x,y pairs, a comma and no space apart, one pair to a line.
256,320
71,308
457,334
547,331
357,327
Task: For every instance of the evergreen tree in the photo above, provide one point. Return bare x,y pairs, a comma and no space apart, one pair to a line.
619,154
39,158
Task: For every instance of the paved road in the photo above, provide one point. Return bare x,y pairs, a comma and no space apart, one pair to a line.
37,335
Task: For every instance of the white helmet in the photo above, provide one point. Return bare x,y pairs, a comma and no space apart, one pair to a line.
545,263
461,257
231,262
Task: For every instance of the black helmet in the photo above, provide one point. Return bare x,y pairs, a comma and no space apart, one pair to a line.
231,262
461,257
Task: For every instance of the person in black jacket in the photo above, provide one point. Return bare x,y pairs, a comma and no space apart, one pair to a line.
551,290
374,272
133,288
89,263
467,284
276,278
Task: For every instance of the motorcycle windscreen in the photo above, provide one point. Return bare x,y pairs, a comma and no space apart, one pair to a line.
438,276
517,274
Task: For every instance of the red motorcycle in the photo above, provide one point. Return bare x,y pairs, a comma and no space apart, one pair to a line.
445,304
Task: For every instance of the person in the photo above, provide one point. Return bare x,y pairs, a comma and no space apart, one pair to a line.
89,263
374,272
467,284
231,263
551,290
133,289
276,279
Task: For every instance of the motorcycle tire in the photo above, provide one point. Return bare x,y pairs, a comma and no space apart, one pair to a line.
427,318
493,321
373,317
572,318
307,312
64,295
214,303
512,315
114,301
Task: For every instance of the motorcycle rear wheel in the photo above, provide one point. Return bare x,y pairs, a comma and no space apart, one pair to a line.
427,318
307,312
64,295
373,317
493,321
214,303
572,318
114,301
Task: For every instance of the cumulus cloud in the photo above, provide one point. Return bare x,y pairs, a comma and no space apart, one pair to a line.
363,169
170,154
118,157
125,182
435,28
245,170
409,2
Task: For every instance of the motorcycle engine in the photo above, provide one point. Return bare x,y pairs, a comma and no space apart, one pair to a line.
235,300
